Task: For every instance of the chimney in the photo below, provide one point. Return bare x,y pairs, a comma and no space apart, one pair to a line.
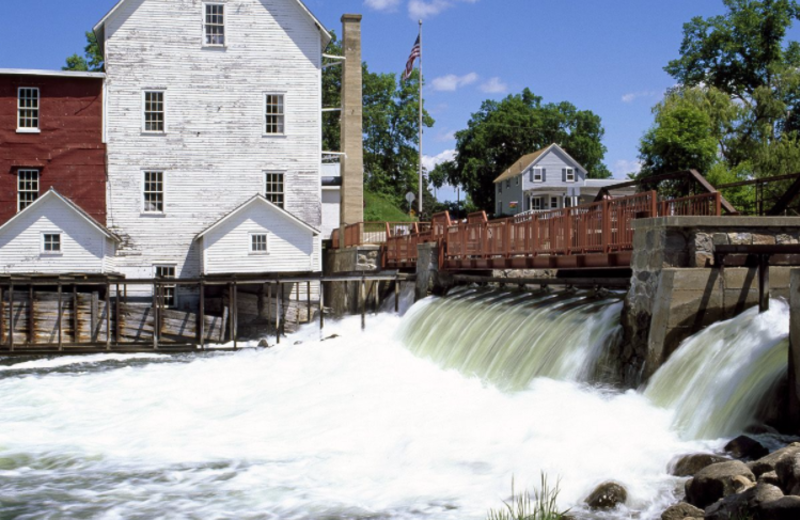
352,208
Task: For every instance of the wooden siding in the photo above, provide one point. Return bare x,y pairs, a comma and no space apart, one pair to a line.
84,248
68,152
291,246
213,153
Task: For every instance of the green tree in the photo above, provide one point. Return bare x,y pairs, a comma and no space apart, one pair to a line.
332,98
503,131
92,60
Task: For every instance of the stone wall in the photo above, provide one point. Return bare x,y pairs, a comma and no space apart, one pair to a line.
343,298
674,293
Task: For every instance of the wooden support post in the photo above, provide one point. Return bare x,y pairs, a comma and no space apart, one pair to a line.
155,315
321,306
269,303
346,298
116,315
278,314
31,326
235,312
297,305
396,295
108,315
76,336
2,316
763,283
375,289
308,302
201,326
11,317
363,297
58,319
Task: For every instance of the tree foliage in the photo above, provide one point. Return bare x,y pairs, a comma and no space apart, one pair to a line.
503,131
92,59
740,87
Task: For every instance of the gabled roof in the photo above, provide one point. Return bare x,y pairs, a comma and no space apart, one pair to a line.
99,28
58,73
529,160
52,193
258,199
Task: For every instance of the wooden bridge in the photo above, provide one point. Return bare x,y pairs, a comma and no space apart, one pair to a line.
591,236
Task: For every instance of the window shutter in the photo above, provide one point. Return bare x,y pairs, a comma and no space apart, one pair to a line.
544,175
563,175
531,174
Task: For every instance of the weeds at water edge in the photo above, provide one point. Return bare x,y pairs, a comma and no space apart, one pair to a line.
538,505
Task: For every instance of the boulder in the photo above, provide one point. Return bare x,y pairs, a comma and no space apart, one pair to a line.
263,344
688,465
716,481
770,478
744,447
788,470
741,483
786,508
768,463
743,505
607,496
681,512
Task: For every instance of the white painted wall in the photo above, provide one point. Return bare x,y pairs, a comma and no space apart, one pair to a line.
213,153
331,210
291,246
84,249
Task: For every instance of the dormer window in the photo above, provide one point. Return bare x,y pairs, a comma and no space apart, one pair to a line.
214,25
537,175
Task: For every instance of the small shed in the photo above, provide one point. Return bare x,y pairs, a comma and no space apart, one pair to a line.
54,235
260,237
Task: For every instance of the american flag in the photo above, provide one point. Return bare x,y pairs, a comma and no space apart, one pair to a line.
416,52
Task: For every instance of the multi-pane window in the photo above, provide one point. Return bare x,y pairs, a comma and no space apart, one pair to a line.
274,114
28,108
51,243
167,291
27,188
215,24
553,202
537,175
154,111
569,175
536,203
153,192
274,191
258,243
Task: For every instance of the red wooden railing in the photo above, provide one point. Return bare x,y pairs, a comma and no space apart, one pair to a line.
376,233
603,227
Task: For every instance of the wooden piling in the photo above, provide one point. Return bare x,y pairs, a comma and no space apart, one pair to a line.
2,315
363,297
201,326
108,315
321,307
11,317
396,296
278,307
235,315
269,303
31,313
298,305
763,283
59,319
155,315
376,298
308,302
116,315
76,336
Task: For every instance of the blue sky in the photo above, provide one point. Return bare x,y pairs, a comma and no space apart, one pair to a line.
601,55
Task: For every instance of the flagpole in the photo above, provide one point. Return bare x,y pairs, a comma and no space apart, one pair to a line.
421,176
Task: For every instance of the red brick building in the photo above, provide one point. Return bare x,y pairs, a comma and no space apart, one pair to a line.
51,135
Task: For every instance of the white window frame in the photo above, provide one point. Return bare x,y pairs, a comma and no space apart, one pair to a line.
163,93
537,174
20,172
553,202
255,234
168,289
268,194
264,114
163,209
224,43
569,174
536,201
29,129
54,252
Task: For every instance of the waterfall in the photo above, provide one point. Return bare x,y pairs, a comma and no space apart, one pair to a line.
511,337
717,379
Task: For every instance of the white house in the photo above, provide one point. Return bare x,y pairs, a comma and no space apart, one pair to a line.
55,236
547,179
208,104
259,237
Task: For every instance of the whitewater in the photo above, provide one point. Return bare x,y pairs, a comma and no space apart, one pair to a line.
362,425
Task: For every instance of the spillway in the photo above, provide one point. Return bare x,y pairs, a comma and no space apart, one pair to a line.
426,416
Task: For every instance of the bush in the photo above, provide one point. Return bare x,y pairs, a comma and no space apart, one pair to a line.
541,505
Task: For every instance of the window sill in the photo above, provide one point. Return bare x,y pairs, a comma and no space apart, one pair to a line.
152,214
29,131
51,255
254,253
274,135
153,134
215,47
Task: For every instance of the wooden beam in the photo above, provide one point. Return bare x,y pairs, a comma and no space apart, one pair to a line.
201,327
763,283
11,318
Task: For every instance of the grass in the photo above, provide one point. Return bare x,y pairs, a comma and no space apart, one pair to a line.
380,208
541,505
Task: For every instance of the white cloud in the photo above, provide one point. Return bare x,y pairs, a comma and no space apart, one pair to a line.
430,162
632,96
494,86
428,8
451,82
623,167
382,5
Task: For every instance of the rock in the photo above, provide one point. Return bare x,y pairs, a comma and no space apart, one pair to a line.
786,508
263,344
768,463
716,481
688,465
607,496
332,336
743,447
742,484
788,470
742,505
681,512
761,429
771,478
